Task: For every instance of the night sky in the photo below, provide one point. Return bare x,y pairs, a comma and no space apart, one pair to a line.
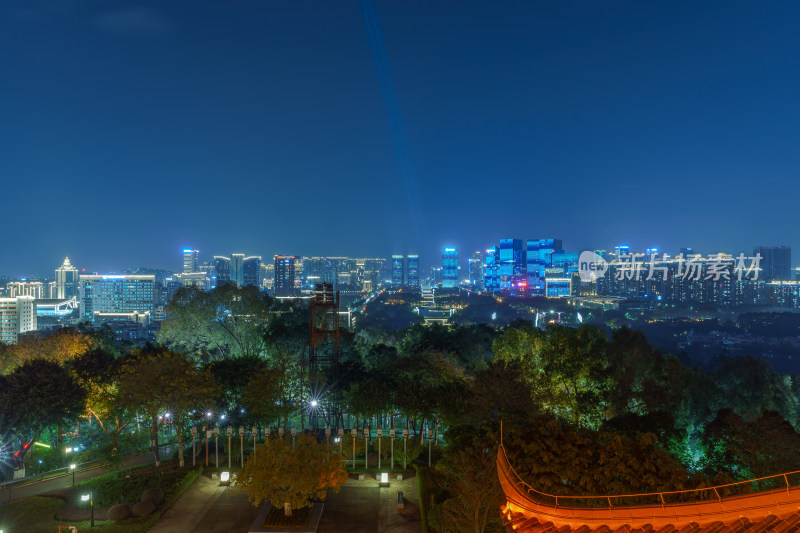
129,131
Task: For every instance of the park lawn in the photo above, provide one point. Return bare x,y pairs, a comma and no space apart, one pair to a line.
36,515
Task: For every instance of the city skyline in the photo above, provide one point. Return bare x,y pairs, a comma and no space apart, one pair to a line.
344,129
177,264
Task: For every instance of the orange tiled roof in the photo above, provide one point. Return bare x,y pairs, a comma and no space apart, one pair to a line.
529,511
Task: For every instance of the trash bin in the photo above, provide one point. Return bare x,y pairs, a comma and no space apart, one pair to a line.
401,503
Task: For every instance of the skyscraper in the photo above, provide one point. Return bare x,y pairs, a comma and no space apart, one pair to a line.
251,271
512,268
412,265
491,282
776,262
222,267
476,270
237,269
190,260
117,297
284,275
449,268
17,315
398,270
539,258
66,280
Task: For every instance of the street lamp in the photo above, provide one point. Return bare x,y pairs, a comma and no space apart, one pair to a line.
90,498
405,447
294,434
216,447
228,450
208,438
430,436
194,449
366,447
391,441
353,435
380,435
72,467
340,432
241,443
255,434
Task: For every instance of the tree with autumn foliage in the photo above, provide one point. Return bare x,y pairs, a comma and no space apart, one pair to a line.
292,477
59,346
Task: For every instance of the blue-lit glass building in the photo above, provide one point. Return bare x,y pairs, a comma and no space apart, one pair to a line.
449,268
412,263
251,271
123,296
222,268
398,270
511,268
284,275
491,282
540,257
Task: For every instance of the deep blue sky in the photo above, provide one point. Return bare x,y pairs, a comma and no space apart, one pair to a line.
131,130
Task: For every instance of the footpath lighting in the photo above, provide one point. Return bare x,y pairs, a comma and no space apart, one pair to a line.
90,498
72,467
384,479
225,478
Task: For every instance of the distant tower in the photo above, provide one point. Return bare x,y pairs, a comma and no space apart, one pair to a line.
776,262
222,266
190,260
284,275
449,268
398,270
476,270
66,280
412,264
252,271
237,269
324,360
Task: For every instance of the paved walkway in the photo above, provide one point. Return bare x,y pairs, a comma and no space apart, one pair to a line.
360,507
34,487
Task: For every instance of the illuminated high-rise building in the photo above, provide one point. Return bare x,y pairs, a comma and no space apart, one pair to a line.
120,297
284,275
237,269
222,268
476,270
491,281
17,315
511,266
776,262
412,270
539,257
34,289
398,270
251,271
190,260
66,280
449,267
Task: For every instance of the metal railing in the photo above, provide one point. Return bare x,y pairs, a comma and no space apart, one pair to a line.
663,498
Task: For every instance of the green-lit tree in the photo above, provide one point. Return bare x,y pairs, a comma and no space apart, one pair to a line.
36,395
157,381
226,322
